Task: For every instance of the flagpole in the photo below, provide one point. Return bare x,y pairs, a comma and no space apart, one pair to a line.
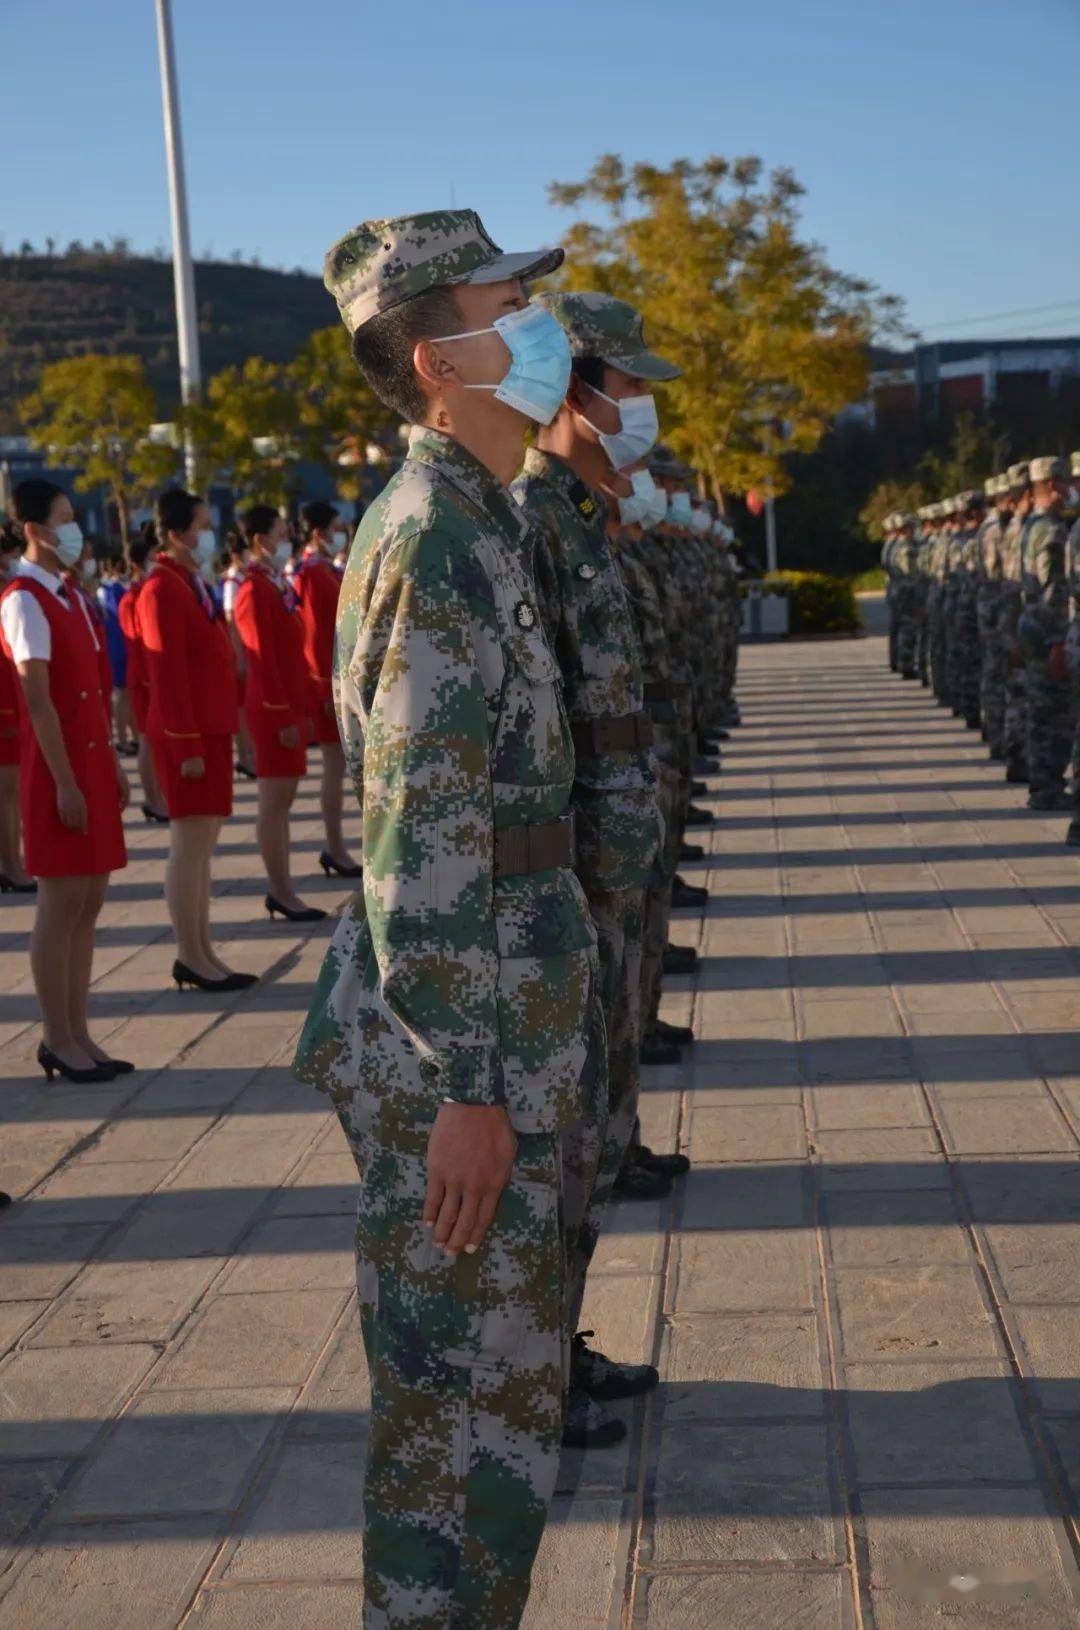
187,333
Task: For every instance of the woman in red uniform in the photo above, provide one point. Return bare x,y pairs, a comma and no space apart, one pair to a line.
71,786
190,720
13,879
275,700
138,686
317,584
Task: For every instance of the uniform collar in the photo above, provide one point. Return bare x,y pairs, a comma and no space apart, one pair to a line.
38,574
549,467
471,478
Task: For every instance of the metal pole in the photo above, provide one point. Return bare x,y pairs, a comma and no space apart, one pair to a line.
187,332
770,535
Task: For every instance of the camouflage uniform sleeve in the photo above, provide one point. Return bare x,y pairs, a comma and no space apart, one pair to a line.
548,589
428,824
1047,558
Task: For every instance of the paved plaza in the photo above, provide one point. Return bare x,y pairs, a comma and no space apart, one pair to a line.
864,1301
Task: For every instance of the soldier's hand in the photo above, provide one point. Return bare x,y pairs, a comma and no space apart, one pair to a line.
1059,663
470,1157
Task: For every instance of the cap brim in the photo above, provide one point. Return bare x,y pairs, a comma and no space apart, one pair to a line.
646,365
525,267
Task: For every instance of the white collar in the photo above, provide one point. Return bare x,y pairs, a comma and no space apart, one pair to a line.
38,574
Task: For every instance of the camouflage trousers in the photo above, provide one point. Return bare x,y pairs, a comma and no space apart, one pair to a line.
969,661
467,1361
1015,739
939,654
1072,647
993,682
1049,727
907,629
890,611
658,898
922,638
619,920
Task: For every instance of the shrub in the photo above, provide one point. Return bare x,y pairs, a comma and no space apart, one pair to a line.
818,604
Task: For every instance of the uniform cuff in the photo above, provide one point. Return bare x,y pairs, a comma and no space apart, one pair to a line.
472,1075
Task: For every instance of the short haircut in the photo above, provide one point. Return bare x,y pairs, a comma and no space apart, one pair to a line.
592,371
258,520
33,500
175,511
10,539
140,549
317,516
384,347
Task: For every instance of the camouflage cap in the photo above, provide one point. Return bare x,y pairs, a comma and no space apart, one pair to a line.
380,264
598,325
662,462
1018,477
1047,469
973,498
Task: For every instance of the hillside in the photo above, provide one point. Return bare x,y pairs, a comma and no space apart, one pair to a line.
64,305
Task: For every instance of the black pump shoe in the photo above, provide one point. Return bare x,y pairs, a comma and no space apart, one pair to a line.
307,914
52,1065
184,975
242,770
331,866
154,816
9,886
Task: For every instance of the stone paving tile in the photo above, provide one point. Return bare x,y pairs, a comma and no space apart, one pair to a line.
876,925
54,1401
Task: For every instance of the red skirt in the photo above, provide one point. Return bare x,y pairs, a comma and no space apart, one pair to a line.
9,743
271,758
52,849
208,794
324,726
139,693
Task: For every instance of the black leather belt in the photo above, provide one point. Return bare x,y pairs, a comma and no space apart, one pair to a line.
521,849
595,737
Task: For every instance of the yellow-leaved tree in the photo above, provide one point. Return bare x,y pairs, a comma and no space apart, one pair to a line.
772,340
337,411
246,429
95,412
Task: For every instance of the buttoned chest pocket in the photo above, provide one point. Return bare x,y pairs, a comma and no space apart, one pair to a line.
532,746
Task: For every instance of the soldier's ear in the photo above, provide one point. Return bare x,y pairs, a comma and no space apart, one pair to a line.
433,365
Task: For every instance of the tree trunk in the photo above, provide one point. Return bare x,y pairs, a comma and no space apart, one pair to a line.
120,500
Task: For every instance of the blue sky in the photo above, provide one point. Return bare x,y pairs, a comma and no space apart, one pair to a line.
937,141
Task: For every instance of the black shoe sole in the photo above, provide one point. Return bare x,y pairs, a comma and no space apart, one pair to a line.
609,1434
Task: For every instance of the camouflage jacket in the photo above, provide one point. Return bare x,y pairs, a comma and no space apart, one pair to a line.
657,669
1045,616
1072,568
443,980
591,631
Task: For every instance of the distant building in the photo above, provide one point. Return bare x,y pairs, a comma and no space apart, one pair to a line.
1013,378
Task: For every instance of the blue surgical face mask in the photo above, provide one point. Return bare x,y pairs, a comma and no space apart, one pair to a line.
205,548
680,509
637,433
637,509
69,542
282,553
659,508
539,372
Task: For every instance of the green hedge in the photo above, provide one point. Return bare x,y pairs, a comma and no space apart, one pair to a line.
818,604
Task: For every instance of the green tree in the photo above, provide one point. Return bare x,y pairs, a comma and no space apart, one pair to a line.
246,429
887,499
771,339
975,451
338,413
95,412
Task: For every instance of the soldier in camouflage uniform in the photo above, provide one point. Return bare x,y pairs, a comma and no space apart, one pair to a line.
992,657
888,548
923,550
1015,734
590,628
1072,647
904,562
969,662
939,567
454,1023
1041,632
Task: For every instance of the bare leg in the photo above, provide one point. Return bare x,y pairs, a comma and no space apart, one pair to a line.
153,797
60,904
186,877
276,794
205,940
81,962
11,825
123,728
330,794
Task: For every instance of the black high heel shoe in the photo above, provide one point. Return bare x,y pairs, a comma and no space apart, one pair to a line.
8,885
56,1066
309,914
242,769
153,815
183,975
330,865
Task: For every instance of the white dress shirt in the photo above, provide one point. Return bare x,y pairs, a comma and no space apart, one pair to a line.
26,628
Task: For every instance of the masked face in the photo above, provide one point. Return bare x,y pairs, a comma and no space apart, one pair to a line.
637,433
680,509
69,543
637,507
539,372
205,548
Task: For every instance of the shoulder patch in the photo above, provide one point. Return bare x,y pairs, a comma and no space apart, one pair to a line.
524,615
586,571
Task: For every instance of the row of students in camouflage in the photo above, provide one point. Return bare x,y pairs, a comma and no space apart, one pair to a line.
492,697
984,607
